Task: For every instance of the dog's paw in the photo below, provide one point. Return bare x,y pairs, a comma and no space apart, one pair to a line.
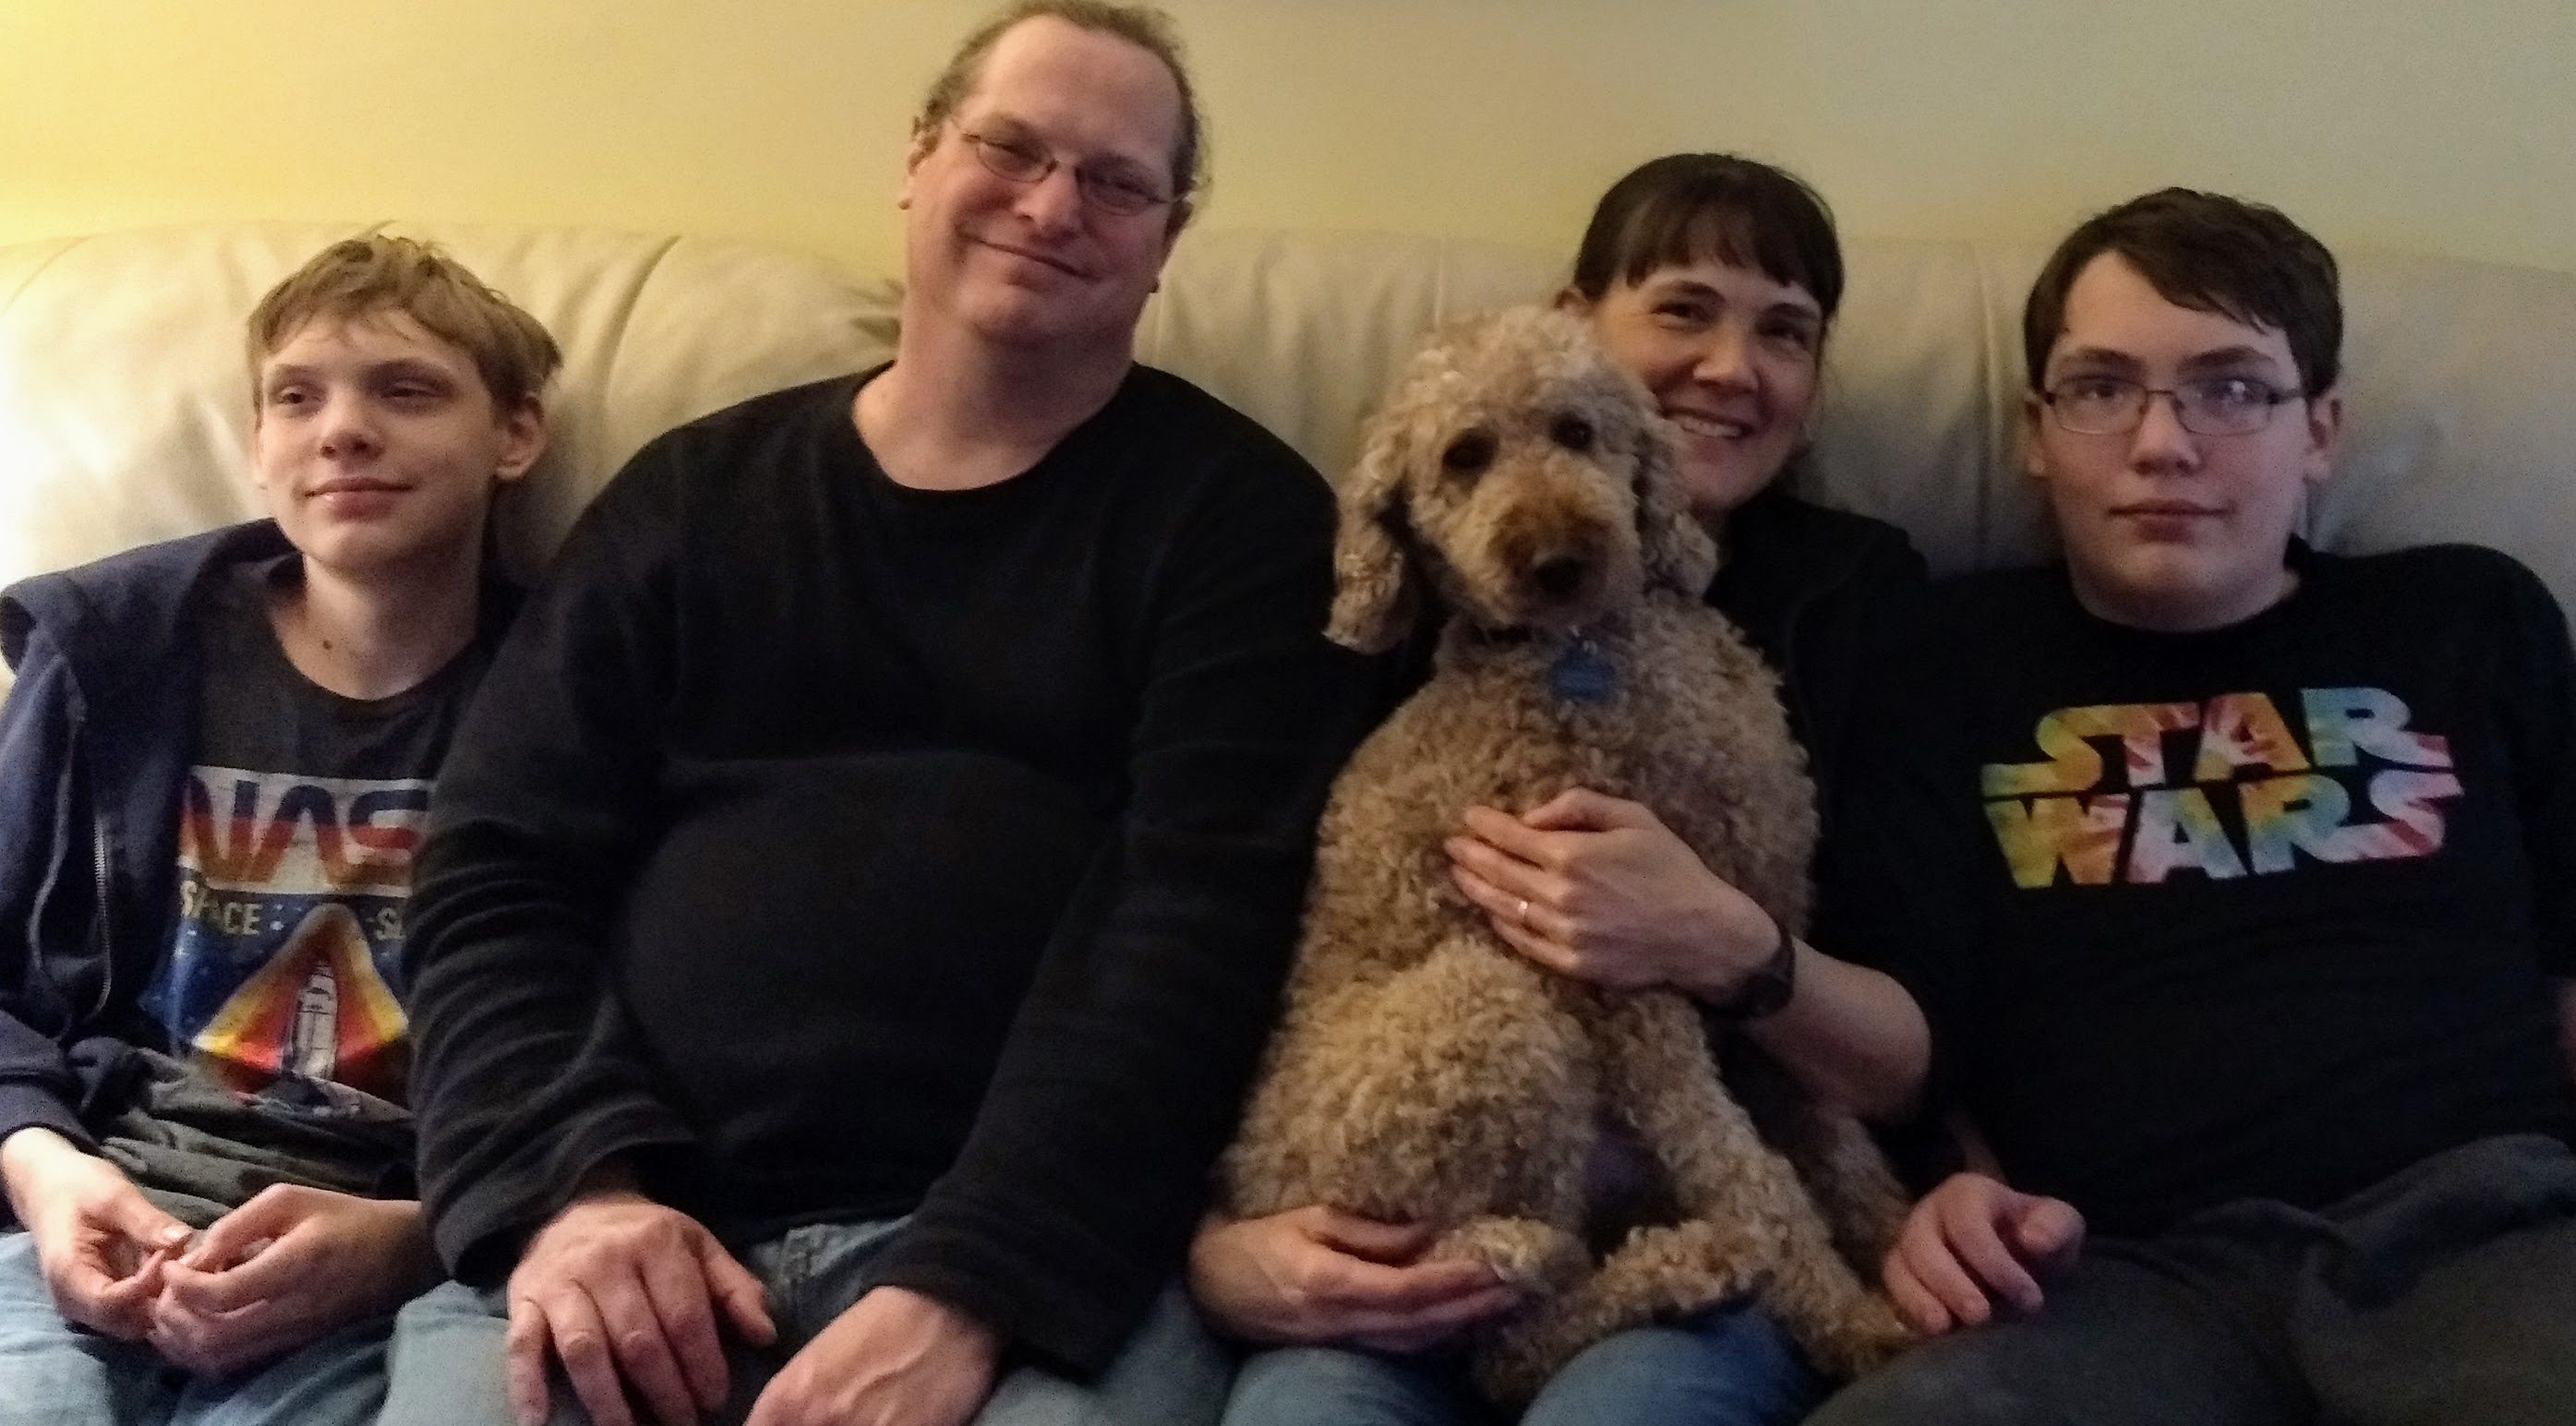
1866,1334
1538,1258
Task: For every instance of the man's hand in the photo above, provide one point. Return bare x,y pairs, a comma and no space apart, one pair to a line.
1599,889
626,1291
101,1243
1974,1239
283,1270
1314,1275
892,1360
896,1358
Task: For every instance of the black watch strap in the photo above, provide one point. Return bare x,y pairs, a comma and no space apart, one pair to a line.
1768,988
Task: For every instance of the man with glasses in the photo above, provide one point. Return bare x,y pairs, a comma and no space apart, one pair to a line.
844,937
2238,882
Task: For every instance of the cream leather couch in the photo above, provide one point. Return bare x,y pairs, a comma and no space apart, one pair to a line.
124,402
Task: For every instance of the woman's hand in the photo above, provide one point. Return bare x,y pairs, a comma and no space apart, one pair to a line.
1597,888
285,1269
1316,1276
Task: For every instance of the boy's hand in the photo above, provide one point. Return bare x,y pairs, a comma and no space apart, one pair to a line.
101,1243
625,1290
896,1358
283,1270
1314,1275
1974,1239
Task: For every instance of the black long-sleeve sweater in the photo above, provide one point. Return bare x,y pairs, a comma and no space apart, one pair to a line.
835,849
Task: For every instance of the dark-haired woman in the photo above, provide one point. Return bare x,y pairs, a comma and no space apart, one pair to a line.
1714,279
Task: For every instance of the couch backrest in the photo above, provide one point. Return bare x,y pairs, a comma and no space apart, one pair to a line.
124,406
2460,387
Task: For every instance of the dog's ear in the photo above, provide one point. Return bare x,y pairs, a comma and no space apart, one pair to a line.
1677,552
1374,597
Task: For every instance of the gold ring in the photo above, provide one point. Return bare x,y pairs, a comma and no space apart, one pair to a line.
1520,915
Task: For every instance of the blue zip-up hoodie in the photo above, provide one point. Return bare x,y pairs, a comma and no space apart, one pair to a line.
95,739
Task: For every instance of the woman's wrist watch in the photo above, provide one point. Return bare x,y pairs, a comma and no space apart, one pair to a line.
1768,988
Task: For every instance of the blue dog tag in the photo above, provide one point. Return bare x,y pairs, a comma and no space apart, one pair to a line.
1581,675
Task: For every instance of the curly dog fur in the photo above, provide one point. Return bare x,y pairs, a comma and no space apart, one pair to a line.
1423,1071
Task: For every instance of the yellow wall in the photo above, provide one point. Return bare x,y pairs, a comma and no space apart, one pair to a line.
2382,123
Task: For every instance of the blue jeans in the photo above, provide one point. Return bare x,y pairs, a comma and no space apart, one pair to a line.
446,1366
1730,1366
55,1374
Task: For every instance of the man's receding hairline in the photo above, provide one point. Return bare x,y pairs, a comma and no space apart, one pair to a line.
1178,117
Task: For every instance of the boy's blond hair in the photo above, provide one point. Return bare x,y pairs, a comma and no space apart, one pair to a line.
353,278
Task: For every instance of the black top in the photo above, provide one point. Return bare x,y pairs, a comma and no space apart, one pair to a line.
298,821
257,711
2265,911
840,850
1821,594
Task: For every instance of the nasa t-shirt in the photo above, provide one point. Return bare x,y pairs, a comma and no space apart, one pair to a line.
299,821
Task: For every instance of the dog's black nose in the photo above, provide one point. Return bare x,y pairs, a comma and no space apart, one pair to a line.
1560,576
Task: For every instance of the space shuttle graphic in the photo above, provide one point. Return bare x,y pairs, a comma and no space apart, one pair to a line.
318,1010
313,1039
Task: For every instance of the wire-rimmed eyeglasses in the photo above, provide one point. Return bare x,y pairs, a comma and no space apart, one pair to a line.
2206,406
1112,187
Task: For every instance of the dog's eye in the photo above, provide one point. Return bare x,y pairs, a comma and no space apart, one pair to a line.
1572,432
1469,454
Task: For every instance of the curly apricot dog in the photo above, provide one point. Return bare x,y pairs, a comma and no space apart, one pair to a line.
1423,1070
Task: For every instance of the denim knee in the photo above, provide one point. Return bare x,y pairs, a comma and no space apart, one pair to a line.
1337,1386
444,1366
1732,1366
55,1374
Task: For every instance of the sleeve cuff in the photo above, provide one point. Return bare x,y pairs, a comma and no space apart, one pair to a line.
480,1227
22,1107
1080,1330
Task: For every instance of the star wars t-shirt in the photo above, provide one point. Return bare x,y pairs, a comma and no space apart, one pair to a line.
2265,911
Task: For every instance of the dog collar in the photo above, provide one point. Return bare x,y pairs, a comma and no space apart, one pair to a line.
1582,675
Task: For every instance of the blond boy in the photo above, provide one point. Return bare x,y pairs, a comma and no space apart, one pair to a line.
219,751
